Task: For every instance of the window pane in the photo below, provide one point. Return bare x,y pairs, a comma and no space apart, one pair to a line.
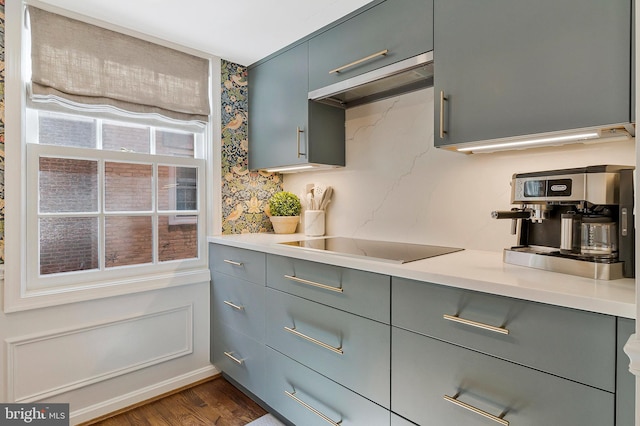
68,185
125,138
177,188
177,241
68,244
62,130
129,240
176,144
128,186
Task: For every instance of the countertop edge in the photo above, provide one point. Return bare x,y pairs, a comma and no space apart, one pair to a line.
468,269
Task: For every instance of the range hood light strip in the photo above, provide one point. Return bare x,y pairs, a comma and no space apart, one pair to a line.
529,142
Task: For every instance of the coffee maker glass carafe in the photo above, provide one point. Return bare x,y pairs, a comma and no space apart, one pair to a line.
598,237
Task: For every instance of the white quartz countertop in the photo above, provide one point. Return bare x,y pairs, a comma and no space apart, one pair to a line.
468,269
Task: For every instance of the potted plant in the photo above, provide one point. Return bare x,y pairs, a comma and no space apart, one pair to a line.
284,210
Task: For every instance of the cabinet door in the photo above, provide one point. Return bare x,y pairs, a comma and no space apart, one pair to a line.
238,356
403,27
626,381
247,265
425,370
307,398
519,67
238,304
359,292
278,92
540,336
346,348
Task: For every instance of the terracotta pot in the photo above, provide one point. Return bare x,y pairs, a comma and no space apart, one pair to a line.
285,224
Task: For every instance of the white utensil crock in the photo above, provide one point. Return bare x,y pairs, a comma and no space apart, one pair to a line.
314,223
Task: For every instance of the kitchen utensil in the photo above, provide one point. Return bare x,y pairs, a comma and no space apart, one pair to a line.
326,198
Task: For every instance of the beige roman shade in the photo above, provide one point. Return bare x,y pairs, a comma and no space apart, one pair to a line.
85,64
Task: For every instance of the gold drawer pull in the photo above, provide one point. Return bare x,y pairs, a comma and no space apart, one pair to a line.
471,408
233,305
234,263
359,61
324,417
295,332
314,284
233,358
495,329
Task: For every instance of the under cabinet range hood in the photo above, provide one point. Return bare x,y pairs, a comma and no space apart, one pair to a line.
401,77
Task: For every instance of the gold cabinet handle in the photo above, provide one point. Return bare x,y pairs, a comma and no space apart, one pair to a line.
232,262
324,417
443,99
359,61
233,358
295,332
473,409
314,284
233,305
476,324
298,131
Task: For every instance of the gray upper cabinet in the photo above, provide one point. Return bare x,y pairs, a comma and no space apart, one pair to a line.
402,27
519,67
285,128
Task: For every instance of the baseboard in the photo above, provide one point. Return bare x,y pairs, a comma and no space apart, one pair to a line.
144,394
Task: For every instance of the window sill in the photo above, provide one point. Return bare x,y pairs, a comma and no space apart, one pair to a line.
14,302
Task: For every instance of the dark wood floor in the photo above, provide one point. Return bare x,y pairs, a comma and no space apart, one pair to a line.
215,402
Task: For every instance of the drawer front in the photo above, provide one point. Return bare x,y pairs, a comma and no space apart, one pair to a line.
238,304
239,356
368,33
574,344
349,349
359,292
240,263
424,370
626,382
308,391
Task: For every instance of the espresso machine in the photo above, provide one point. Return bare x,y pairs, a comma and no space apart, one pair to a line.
574,221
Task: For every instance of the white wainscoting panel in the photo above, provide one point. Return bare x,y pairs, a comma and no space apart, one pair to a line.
51,363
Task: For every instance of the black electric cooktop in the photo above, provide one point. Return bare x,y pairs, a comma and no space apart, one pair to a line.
379,250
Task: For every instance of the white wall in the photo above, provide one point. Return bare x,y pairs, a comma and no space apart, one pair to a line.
103,355
396,186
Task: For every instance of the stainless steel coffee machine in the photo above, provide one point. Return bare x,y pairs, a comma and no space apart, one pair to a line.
574,221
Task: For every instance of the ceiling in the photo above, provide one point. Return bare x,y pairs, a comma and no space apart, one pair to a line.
241,31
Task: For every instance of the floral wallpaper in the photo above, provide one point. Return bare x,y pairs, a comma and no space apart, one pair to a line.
245,194
2,131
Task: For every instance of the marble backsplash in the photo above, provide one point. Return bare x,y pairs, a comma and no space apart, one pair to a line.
397,186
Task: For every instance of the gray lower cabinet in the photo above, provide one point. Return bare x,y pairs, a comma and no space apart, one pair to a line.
518,67
237,314
625,380
286,128
368,33
307,398
396,420
359,292
438,383
238,356
349,349
541,336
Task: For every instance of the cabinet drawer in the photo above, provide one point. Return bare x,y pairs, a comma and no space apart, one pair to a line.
424,370
396,420
368,33
238,304
349,349
313,391
574,344
239,356
351,290
240,263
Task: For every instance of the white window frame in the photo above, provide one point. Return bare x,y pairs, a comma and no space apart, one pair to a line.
19,292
